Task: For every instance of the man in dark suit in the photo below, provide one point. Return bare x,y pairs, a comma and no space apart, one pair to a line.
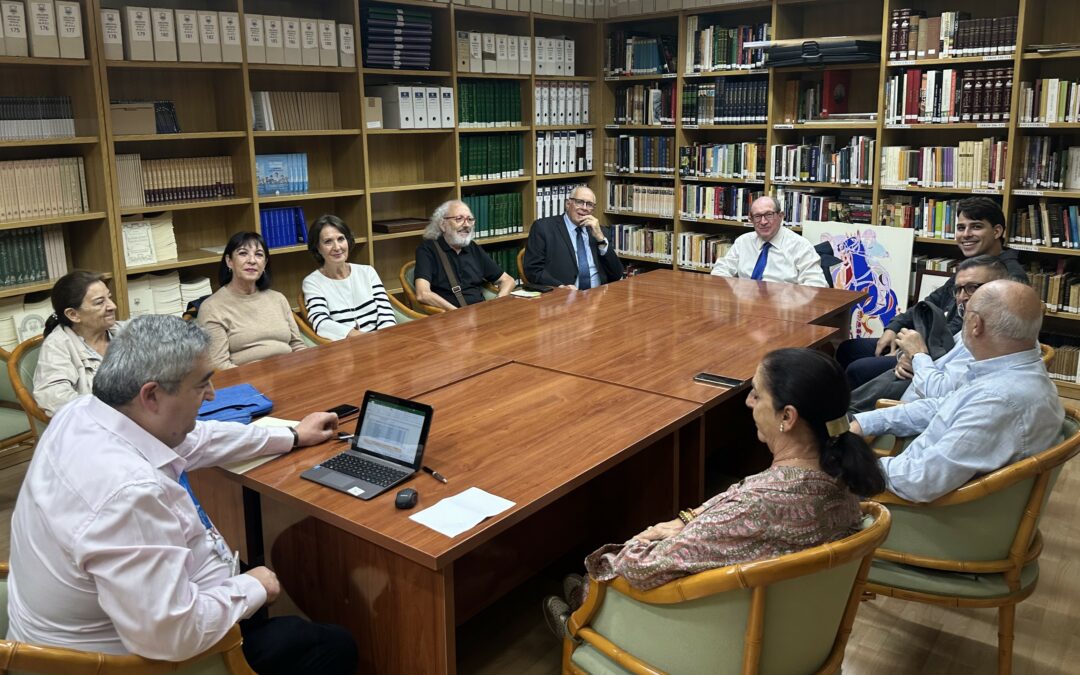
571,250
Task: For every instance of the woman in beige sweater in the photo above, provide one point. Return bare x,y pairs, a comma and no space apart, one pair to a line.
246,321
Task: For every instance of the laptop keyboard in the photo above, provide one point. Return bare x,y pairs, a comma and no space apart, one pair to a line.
364,470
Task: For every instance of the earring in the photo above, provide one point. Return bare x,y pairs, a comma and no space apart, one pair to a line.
781,427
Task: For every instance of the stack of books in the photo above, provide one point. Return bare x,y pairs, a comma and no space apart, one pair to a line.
742,161
158,294
29,117
712,47
913,35
491,156
640,154
489,103
1044,223
561,103
652,104
656,200
295,110
551,198
148,240
972,165
948,95
726,102
644,241
194,289
816,159
283,226
626,54
1048,163
38,188
1049,100
497,215
31,254
282,174
718,202
701,251
9,307
932,217
397,37
160,181
563,152
28,318
810,204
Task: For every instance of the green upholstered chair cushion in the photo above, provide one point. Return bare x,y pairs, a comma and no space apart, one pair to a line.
410,277
952,584
595,663
27,365
400,316
3,608
13,423
308,342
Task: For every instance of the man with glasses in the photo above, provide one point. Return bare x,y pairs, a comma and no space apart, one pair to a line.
980,230
571,250
451,268
771,252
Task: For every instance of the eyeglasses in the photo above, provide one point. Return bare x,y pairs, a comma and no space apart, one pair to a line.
969,289
583,204
762,216
461,220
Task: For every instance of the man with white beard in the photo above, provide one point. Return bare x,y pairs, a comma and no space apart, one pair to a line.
448,247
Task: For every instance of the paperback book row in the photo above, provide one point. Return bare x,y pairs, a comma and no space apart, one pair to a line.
207,36
561,103
931,217
295,110
32,254
655,200
146,182
650,104
551,198
736,161
415,106
30,117
497,215
491,156
164,293
1066,364
817,159
39,188
1049,100
816,99
640,154
717,202
700,251
711,47
971,165
283,226
629,54
44,29
1048,163
397,38
479,52
643,241
563,152
948,95
281,174
802,205
148,239
726,102
1043,223
489,103
1059,290
913,35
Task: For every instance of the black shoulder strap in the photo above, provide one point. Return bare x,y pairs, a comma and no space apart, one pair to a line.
455,286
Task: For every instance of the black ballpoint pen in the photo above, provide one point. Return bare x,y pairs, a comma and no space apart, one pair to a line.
435,474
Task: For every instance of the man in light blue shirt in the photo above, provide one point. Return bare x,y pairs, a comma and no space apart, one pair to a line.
1007,410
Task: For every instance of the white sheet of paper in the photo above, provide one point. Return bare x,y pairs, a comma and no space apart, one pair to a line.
249,464
453,515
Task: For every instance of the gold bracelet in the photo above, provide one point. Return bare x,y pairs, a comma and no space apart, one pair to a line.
686,516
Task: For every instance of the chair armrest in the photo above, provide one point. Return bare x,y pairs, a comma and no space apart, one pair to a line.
886,403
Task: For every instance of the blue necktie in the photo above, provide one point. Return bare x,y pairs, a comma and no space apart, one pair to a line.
762,260
583,281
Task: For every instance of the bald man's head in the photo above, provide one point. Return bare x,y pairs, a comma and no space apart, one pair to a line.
1008,313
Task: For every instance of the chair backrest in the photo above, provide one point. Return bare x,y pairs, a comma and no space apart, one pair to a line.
1047,354
407,276
521,266
759,617
15,423
191,312
402,312
989,524
21,368
307,333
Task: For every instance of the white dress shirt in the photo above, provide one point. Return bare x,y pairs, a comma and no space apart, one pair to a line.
934,379
792,259
107,550
1008,410
571,229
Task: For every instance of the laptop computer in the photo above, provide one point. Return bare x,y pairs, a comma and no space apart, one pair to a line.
387,449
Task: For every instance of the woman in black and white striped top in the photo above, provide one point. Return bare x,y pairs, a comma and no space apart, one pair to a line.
342,298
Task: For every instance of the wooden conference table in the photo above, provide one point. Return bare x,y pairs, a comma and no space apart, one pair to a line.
579,407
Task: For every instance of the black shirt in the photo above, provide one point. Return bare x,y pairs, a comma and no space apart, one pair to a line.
473,266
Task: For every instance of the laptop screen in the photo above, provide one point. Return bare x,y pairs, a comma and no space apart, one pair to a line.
393,429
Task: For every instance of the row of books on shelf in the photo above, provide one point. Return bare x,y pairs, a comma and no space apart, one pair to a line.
626,54
45,29
816,99
497,53
1045,223
914,35
284,226
643,241
148,239
640,154
818,159
561,103
281,174
38,188
742,161
550,198
1066,364
164,293
489,103
657,200
948,95
700,250
21,320
717,202
295,110
1048,162
971,165
1049,100
491,156
296,41
579,9
145,182
397,37
931,217
650,104
32,117
497,215
801,205
563,152
711,47
1059,288
415,106
726,102
31,254
506,258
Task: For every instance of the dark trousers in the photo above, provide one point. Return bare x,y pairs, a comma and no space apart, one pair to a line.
290,645
860,365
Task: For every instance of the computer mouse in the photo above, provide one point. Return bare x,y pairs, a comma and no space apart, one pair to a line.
406,499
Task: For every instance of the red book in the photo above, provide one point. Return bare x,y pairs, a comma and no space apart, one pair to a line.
834,92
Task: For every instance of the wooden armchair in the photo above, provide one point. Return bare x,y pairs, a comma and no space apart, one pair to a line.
521,266
760,617
20,369
977,546
300,313
16,431
226,656
407,276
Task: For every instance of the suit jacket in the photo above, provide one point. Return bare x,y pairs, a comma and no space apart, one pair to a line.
550,258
